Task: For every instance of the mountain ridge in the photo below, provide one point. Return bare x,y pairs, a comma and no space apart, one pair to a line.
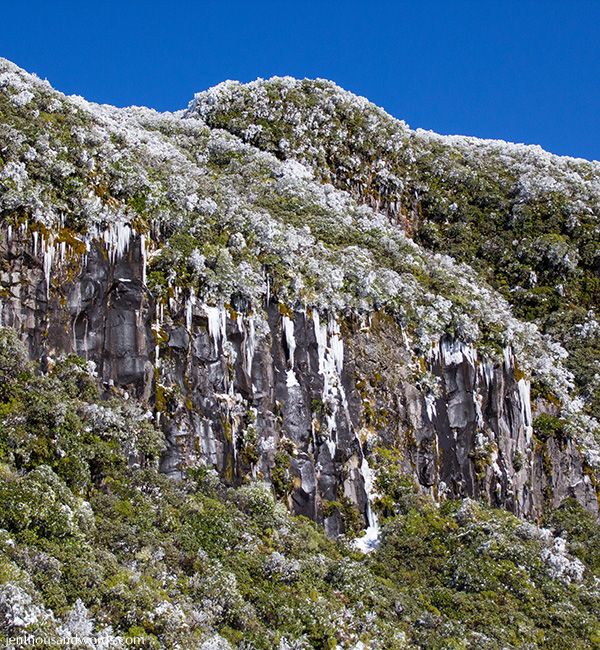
298,290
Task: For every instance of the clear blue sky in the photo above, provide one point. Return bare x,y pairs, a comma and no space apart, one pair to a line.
525,71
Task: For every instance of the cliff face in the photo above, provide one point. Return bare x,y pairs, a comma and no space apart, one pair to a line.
276,328
298,398
283,301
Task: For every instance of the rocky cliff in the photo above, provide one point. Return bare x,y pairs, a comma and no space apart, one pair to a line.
277,371
277,327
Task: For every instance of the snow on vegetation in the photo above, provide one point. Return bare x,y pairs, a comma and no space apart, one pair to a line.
115,175
301,193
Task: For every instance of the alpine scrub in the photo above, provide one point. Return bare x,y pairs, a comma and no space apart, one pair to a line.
277,371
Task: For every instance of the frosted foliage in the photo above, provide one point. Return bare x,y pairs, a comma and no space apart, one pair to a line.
17,609
78,621
318,133
285,233
278,567
215,642
78,629
560,565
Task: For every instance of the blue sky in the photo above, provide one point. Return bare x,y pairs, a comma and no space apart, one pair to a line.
525,71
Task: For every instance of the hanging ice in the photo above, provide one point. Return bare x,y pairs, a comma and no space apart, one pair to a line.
321,338
217,325
156,327
430,406
488,372
370,540
189,308
144,257
336,344
48,257
330,350
250,346
455,352
117,238
287,325
508,357
524,386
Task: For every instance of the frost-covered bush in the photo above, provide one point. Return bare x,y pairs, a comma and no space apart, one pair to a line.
560,566
13,359
19,612
278,567
216,589
42,503
256,499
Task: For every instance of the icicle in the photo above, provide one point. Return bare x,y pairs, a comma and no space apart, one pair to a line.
48,253
508,358
321,337
35,234
332,448
189,307
524,388
405,339
451,351
430,406
287,325
9,233
250,346
144,257
268,294
488,372
330,353
370,540
223,324
369,481
288,332
157,327
217,324
470,354
117,238
478,402
337,344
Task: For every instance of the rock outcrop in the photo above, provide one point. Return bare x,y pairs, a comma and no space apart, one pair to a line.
296,397
277,327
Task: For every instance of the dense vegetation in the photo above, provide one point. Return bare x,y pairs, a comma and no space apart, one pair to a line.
96,542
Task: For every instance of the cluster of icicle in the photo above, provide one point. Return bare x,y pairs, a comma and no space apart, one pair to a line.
454,352
330,350
53,249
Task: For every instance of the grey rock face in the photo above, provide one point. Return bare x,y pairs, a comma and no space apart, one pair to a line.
291,398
